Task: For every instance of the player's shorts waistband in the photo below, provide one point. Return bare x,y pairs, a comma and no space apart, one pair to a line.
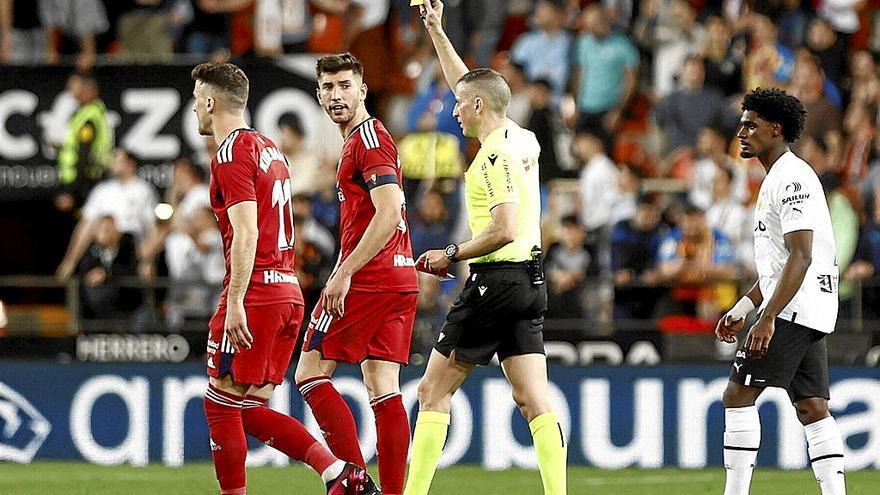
498,265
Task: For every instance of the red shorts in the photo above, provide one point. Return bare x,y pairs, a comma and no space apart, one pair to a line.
275,328
376,325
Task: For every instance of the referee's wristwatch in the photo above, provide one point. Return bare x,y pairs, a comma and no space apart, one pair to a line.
451,251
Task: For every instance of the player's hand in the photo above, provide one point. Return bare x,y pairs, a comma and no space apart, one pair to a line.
236,327
431,12
727,328
333,296
435,260
758,340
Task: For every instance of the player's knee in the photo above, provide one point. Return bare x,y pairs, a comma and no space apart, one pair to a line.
431,398
303,373
811,410
530,405
735,396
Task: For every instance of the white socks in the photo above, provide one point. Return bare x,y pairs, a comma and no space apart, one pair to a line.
825,446
742,437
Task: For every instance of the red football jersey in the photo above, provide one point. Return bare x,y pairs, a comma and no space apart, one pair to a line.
369,159
248,167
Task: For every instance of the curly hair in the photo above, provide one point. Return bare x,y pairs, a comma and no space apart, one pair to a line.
775,105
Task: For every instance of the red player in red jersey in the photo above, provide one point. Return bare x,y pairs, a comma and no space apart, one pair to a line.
368,307
253,333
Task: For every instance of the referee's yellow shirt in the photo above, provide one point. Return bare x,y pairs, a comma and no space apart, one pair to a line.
505,170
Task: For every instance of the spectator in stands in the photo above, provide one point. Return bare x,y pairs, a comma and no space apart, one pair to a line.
208,30
566,266
859,124
544,122
691,107
439,100
88,142
830,48
872,180
723,56
81,19
866,260
694,257
197,287
187,194
792,20
823,117
307,174
22,37
629,181
129,199
430,224
518,107
110,257
429,157
634,245
712,155
605,75
670,31
862,84
544,51
144,30
768,63
731,218
598,195
842,16
844,223
314,246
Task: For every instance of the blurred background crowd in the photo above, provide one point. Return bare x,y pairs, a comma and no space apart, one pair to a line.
647,218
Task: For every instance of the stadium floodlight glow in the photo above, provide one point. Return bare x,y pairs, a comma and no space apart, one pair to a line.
163,211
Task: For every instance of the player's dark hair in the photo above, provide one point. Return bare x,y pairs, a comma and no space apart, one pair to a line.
775,105
331,64
489,85
227,78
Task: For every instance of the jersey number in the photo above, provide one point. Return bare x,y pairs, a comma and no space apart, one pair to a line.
281,198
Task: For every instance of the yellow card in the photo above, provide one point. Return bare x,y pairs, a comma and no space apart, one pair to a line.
413,3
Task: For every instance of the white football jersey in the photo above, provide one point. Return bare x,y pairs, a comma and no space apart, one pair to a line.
791,199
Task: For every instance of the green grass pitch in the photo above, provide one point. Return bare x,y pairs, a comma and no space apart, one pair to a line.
72,478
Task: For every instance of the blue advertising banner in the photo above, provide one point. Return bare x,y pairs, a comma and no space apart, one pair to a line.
614,417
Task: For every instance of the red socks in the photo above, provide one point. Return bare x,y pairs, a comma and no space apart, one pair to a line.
392,430
284,433
228,443
334,417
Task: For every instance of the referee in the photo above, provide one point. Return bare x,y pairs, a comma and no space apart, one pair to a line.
500,310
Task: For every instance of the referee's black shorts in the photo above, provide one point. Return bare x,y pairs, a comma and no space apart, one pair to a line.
796,360
498,311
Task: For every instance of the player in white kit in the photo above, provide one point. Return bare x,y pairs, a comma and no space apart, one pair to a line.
796,296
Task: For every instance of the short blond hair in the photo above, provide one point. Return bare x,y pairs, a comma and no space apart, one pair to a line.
489,85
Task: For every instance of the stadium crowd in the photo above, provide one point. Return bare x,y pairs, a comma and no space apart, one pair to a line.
647,205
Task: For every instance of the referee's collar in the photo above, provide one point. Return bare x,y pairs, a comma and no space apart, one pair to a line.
498,134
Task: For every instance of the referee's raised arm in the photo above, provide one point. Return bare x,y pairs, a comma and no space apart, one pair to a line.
431,12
